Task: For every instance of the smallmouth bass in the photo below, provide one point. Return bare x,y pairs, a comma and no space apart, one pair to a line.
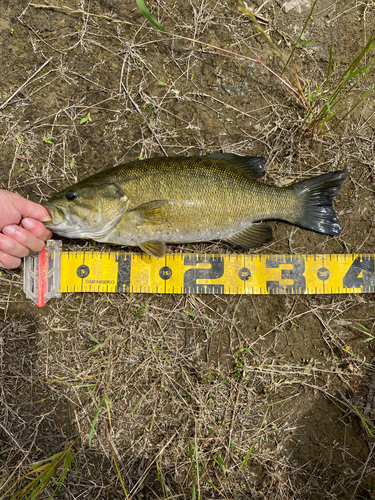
152,202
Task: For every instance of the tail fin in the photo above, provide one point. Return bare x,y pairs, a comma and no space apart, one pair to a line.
316,196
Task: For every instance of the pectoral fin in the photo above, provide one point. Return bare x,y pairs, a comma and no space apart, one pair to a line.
152,212
255,235
155,248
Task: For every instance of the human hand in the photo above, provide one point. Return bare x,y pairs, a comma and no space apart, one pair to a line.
21,229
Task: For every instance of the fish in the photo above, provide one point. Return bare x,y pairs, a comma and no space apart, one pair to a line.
185,199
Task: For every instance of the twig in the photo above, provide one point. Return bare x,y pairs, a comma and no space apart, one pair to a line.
13,165
12,437
24,84
108,18
115,452
363,472
140,481
244,9
232,422
143,118
2,487
41,39
288,86
370,395
68,10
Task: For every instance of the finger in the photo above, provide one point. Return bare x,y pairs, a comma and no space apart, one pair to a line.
10,246
28,208
8,261
17,237
37,228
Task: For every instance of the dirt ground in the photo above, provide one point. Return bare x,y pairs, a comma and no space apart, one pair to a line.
178,397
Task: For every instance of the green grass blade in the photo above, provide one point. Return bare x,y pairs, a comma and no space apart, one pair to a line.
107,403
306,42
49,459
352,108
213,486
328,71
193,493
140,401
315,100
253,443
142,7
299,38
102,344
94,422
119,475
318,97
364,328
342,97
369,426
315,94
68,461
354,65
162,479
362,69
191,453
94,338
220,461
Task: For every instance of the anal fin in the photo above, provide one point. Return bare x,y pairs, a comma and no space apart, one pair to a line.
157,249
255,235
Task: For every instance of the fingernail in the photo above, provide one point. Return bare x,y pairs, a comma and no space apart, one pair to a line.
27,223
9,230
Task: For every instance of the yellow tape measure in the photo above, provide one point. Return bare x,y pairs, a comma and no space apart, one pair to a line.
90,271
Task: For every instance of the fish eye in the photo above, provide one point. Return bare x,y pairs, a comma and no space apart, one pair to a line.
71,195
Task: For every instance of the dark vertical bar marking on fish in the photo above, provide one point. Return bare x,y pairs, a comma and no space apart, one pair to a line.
192,275
123,273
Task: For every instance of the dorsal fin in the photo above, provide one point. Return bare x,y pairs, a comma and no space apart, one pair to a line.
251,167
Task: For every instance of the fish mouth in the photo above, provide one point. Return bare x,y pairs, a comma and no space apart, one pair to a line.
71,226
58,215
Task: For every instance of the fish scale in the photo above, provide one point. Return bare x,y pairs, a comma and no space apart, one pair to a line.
223,203
175,179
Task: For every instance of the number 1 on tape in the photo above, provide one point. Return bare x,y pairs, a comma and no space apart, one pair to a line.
52,272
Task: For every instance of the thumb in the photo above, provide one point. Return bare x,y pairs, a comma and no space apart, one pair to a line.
28,208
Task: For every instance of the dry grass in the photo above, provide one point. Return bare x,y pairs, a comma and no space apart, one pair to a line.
184,396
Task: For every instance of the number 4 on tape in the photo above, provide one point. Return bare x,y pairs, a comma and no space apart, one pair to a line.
51,272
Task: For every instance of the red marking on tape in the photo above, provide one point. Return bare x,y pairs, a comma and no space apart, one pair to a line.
42,273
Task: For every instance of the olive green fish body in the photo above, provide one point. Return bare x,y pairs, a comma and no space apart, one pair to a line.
189,199
200,200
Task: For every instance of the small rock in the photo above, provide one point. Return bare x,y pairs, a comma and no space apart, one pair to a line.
299,5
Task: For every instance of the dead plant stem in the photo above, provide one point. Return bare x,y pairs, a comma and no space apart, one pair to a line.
24,84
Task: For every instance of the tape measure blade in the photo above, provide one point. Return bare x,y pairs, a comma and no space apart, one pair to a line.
89,271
